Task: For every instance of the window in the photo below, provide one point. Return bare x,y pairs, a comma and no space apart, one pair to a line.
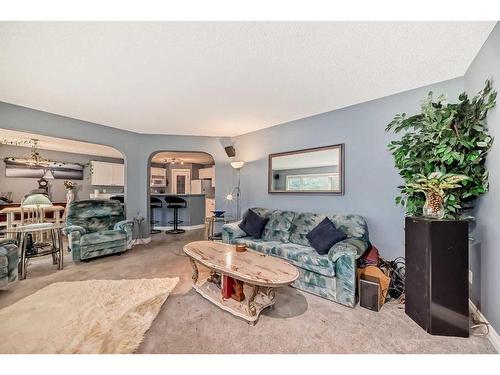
312,182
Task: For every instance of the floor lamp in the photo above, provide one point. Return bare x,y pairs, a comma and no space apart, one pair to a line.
236,191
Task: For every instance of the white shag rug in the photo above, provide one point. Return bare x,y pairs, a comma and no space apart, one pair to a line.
94,316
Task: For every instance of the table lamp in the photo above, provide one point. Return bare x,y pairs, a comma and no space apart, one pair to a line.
36,201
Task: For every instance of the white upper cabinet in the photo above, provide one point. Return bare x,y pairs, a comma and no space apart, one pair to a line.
206,173
107,174
158,177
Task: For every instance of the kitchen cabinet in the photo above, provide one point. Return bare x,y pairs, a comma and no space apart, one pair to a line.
158,177
207,173
107,174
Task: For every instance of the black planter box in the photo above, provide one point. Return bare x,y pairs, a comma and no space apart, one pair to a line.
436,285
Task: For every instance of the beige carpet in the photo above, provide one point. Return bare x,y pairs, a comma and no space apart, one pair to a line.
94,316
299,322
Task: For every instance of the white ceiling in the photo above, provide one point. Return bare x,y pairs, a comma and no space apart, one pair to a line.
223,78
60,144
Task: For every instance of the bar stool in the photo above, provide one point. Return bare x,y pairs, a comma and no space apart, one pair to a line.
175,203
154,203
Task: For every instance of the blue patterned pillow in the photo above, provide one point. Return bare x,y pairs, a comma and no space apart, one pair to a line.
324,236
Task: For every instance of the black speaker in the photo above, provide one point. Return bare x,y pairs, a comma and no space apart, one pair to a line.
436,285
369,292
230,151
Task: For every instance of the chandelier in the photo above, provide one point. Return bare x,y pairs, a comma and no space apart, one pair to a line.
173,161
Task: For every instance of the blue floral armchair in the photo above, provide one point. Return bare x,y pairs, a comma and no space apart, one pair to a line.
96,228
9,260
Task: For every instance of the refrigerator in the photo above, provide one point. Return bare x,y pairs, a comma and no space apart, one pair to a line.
201,187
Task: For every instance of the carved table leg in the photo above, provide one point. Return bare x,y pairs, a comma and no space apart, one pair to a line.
194,275
252,310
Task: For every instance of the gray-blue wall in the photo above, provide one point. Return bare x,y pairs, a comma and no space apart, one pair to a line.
485,255
370,177
136,149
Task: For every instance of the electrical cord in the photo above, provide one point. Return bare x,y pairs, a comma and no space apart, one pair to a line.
396,271
478,323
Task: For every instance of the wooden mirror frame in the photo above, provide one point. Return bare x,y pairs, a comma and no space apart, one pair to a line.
341,149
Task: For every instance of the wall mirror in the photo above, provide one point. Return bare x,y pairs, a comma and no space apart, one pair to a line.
311,171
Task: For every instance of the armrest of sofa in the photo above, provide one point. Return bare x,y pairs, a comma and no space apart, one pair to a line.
74,232
232,231
7,241
127,226
350,246
74,228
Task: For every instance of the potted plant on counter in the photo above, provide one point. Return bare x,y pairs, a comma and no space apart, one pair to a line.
441,158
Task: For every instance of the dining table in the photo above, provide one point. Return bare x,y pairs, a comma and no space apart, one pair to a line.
11,212
54,248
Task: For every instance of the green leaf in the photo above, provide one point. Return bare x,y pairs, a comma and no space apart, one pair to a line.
450,138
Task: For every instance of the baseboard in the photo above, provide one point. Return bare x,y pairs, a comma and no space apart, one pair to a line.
492,334
185,227
141,241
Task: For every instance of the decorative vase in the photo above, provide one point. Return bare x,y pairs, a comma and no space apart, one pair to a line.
433,207
70,196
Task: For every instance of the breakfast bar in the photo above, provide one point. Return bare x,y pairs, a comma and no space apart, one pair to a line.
193,215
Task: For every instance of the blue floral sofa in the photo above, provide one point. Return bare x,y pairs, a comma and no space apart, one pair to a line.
96,228
332,276
9,260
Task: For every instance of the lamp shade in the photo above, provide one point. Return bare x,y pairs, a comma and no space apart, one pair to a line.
48,175
237,164
36,200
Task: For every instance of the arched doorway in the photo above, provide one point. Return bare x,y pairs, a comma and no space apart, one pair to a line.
185,179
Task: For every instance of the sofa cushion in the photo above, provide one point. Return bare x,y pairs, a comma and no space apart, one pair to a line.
305,257
105,238
4,266
258,244
324,235
351,225
278,226
95,215
302,224
4,261
253,224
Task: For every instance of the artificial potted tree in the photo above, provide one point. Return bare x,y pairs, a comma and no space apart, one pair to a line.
441,159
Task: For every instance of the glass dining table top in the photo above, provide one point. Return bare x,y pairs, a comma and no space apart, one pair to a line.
38,227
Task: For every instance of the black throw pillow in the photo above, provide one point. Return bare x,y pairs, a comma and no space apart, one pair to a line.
253,224
324,236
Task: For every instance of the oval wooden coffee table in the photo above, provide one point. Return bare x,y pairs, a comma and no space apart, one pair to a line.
258,273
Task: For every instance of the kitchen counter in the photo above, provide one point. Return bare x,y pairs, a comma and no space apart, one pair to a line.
176,195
